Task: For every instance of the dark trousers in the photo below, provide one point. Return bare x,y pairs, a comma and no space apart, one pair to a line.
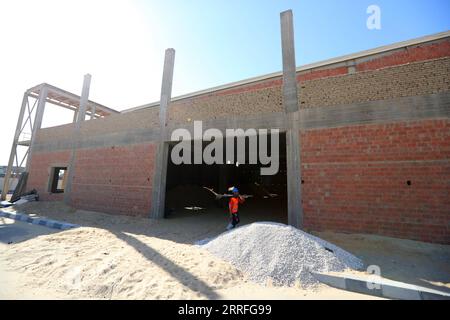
235,219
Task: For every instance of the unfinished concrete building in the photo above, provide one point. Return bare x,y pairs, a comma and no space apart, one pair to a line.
374,132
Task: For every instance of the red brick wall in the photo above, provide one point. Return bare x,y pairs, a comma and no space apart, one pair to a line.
418,53
116,179
427,51
40,172
355,179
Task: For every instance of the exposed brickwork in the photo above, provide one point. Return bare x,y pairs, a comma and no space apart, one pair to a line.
423,52
419,53
420,70
413,79
356,179
320,74
276,82
116,180
141,119
40,168
266,100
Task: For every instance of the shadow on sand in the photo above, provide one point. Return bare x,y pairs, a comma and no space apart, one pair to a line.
184,277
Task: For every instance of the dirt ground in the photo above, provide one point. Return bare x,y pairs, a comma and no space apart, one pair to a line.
119,257
413,262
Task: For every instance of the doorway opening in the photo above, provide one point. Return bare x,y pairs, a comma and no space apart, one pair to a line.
187,185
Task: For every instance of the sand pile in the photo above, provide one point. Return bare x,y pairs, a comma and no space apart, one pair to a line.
96,263
280,254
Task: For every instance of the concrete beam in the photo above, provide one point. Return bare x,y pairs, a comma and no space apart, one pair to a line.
435,106
81,116
290,101
160,175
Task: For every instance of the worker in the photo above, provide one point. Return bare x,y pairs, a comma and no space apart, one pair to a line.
233,206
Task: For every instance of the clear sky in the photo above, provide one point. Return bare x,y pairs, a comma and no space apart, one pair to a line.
122,43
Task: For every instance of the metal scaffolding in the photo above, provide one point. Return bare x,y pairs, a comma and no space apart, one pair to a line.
30,121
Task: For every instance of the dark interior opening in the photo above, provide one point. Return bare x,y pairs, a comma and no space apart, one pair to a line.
186,195
58,182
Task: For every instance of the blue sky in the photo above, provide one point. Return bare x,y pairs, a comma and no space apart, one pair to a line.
225,41
122,42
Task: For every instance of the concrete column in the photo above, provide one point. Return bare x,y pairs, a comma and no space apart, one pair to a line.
81,115
75,116
93,111
37,122
290,101
84,99
160,175
14,147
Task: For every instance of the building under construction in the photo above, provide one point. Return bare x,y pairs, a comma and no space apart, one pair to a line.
373,131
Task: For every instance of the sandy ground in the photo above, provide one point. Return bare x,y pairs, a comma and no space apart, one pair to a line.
116,257
418,263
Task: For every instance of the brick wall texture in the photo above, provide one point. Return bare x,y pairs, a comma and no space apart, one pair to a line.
116,180
39,175
390,179
418,71
421,70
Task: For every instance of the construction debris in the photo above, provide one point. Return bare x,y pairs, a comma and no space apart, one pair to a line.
266,194
194,208
225,195
26,197
5,204
20,188
279,254
30,196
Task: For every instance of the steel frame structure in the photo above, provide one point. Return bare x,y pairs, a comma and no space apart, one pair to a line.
30,118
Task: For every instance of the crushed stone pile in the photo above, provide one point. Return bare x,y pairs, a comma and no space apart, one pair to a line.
283,255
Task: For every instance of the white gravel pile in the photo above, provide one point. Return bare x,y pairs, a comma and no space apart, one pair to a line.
280,254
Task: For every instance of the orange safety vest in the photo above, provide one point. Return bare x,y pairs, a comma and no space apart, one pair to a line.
233,205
